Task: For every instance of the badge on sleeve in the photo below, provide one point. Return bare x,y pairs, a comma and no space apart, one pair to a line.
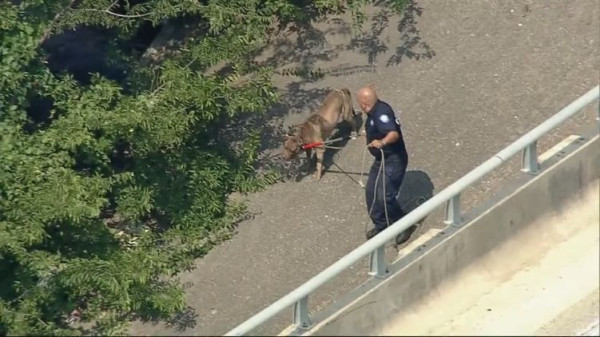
384,118
398,117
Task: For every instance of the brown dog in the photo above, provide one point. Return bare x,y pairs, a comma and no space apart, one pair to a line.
320,126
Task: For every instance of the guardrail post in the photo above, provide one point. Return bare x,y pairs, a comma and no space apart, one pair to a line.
301,317
377,265
598,117
529,162
453,211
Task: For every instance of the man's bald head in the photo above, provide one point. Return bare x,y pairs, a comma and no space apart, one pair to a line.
366,98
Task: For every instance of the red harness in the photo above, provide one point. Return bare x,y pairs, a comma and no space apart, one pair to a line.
311,145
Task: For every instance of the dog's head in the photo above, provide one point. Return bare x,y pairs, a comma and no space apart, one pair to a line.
292,145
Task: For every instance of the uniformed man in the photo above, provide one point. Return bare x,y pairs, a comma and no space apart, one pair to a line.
383,132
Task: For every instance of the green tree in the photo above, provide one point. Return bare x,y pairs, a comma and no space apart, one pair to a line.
118,186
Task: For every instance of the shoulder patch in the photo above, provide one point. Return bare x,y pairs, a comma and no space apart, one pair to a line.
384,118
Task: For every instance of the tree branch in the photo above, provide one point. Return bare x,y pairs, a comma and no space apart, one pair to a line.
165,83
49,29
112,5
115,14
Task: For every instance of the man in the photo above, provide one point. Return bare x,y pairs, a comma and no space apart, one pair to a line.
383,132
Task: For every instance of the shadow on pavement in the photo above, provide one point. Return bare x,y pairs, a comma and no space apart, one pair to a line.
416,189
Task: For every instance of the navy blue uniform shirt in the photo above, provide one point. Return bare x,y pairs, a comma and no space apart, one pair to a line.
379,122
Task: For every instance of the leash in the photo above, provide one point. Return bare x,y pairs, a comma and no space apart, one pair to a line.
325,143
362,171
381,170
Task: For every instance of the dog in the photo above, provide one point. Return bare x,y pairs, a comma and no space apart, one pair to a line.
319,127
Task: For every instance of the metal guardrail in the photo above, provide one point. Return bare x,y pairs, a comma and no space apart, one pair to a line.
450,197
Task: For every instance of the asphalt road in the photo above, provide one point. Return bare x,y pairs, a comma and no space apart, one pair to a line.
471,77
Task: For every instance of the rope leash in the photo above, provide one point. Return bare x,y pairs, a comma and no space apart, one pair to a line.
362,171
360,183
325,143
381,169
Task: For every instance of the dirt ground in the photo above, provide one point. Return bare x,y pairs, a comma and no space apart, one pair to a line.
466,78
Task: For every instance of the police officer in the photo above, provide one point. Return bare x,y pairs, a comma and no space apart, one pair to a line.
383,132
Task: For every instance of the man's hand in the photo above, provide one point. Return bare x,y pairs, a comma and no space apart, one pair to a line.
378,144
390,138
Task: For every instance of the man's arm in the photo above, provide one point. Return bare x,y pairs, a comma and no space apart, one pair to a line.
391,137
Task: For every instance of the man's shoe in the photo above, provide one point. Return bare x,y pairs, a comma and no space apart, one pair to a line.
372,232
404,236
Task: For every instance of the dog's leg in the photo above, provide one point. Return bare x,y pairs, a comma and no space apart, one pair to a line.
308,153
320,153
354,132
308,159
362,129
350,118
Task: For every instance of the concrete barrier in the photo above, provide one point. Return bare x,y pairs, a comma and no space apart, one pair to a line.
563,179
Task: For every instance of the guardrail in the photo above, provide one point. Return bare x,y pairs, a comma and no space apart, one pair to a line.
450,197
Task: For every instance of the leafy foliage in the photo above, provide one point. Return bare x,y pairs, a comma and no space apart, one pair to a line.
109,189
